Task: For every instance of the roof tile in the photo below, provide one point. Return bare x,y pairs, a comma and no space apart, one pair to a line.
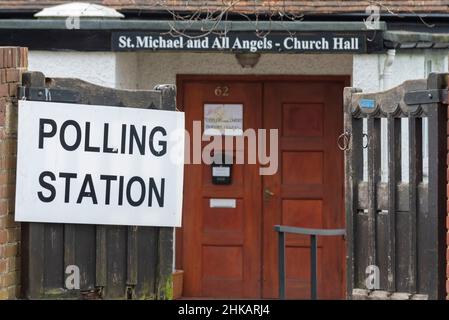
248,6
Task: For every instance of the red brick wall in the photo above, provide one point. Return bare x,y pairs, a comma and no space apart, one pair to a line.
13,61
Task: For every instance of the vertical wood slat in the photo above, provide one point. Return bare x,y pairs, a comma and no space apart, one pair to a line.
100,257
85,252
132,256
415,177
165,258
435,242
33,260
373,179
69,244
165,234
349,201
353,173
394,176
116,243
356,175
147,250
53,269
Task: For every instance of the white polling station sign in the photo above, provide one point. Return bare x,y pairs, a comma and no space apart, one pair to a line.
99,165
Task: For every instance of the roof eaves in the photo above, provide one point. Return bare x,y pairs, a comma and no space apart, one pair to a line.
166,25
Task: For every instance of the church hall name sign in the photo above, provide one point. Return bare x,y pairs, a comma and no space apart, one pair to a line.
99,165
318,42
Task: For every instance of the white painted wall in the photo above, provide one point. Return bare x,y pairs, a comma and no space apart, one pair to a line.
368,68
144,70
158,67
95,67
127,70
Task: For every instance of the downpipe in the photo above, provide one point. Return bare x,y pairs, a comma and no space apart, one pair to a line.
387,71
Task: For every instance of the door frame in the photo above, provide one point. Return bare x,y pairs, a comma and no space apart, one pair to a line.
182,79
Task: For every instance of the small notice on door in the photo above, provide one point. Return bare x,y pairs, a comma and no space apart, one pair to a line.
223,119
221,171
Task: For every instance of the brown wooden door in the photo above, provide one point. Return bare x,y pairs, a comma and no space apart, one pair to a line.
233,252
221,254
308,187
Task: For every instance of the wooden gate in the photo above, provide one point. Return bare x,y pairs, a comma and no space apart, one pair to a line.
115,262
395,217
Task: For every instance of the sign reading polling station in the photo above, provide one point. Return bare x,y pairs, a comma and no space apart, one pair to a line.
99,165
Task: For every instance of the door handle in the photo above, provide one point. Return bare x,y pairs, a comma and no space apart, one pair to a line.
267,193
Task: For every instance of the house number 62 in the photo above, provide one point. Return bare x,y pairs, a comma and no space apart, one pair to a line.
221,91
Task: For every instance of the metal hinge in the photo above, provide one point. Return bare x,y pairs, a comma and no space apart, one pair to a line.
47,94
426,96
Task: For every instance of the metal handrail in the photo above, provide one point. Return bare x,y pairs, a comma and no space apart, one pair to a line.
282,230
